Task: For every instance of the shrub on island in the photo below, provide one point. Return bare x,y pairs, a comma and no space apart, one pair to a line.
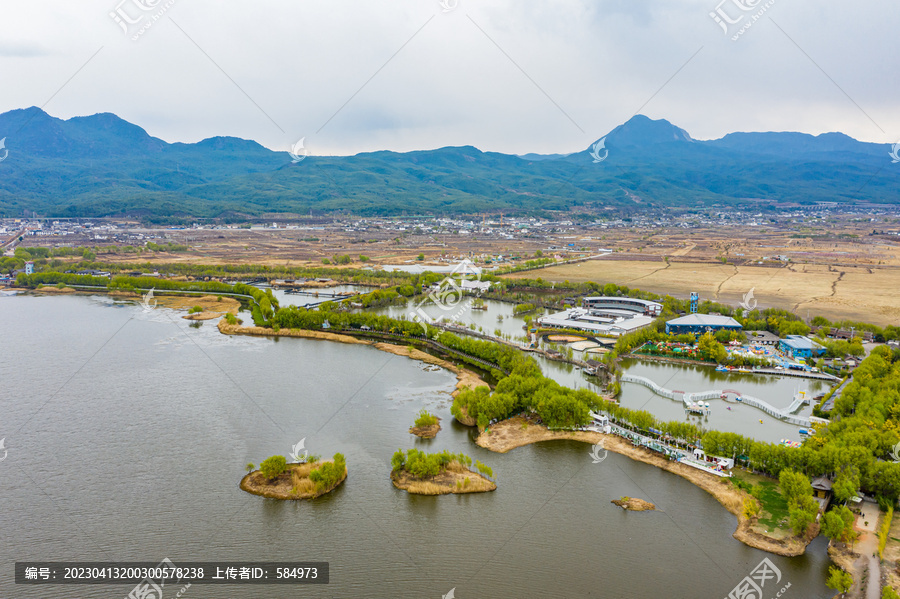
422,473
309,479
426,425
273,466
329,474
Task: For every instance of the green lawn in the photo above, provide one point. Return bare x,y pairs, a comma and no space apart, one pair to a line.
774,512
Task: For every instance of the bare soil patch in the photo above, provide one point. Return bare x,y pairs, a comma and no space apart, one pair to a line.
836,292
202,316
633,504
211,304
426,432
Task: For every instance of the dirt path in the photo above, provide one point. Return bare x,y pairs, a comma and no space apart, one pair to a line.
868,565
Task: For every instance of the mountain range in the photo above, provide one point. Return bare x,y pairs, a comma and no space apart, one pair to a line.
102,165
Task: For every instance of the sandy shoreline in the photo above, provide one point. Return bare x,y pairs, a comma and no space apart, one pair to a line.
509,434
464,378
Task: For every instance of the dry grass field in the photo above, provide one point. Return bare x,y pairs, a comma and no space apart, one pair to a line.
870,294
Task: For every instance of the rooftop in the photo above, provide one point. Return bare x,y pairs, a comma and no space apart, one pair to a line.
821,483
614,298
612,322
762,336
705,320
800,342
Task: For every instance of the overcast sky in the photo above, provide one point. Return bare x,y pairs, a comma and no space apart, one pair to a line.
512,76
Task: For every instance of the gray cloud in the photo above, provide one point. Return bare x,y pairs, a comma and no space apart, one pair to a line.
535,76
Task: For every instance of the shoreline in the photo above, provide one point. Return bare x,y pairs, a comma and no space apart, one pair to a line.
465,379
509,434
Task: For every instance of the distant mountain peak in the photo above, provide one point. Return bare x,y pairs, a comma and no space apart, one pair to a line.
640,130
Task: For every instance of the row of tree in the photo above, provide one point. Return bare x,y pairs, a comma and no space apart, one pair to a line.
426,465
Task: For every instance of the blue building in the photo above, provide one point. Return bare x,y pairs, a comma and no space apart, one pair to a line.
798,346
702,323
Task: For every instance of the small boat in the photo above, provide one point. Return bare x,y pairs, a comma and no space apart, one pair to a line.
760,421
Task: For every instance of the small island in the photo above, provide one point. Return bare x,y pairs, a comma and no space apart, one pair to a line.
426,426
632,504
276,479
422,473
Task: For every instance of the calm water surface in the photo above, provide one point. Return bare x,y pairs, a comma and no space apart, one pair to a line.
128,432
778,391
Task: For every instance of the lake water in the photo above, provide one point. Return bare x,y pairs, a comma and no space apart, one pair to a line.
127,434
778,391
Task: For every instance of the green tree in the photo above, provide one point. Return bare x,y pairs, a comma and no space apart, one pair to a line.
425,418
839,580
250,467
799,518
273,466
420,257
486,470
832,525
712,349
846,484
794,485
751,507
889,593
329,474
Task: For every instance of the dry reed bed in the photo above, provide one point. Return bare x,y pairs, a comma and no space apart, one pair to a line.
456,478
